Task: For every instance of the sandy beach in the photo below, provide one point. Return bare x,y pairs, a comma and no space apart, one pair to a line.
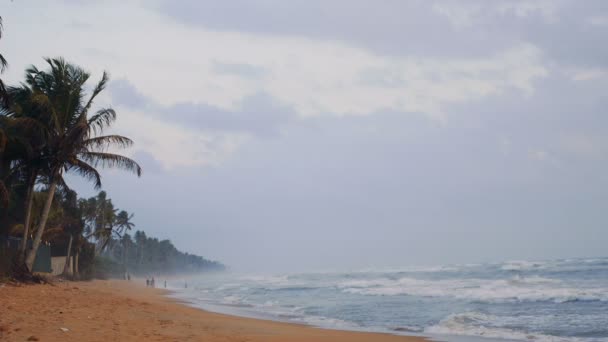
121,311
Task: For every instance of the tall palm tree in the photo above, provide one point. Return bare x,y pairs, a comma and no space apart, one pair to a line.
140,240
3,136
74,140
123,222
25,109
3,64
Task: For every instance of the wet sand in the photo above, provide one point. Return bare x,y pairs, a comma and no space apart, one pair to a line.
123,311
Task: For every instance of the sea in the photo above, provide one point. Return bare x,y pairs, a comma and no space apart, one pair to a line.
551,300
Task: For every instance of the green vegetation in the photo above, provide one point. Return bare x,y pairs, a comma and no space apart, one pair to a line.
49,128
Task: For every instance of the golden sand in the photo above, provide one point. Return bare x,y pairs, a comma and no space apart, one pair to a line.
123,311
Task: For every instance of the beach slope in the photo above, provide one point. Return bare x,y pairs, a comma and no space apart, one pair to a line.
122,311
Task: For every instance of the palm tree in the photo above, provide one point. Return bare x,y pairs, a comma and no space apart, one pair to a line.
30,145
105,222
140,240
72,223
3,137
123,222
3,64
74,143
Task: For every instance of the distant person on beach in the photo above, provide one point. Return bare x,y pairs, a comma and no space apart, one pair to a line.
185,284
147,282
152,282
165,284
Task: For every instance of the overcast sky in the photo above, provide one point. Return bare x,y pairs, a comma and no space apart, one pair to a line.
306,135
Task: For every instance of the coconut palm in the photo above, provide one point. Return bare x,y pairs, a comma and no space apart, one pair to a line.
74,140
3,135
28,147
123,222
140,240
3,64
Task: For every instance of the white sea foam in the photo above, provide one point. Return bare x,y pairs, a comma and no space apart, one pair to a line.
516,289
479,324
522,265
332,299
267,279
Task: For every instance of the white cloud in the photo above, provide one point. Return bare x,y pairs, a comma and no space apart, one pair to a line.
171,63
464,14
314,77
460,16
175,146
585,145
588,74
524,8
599,20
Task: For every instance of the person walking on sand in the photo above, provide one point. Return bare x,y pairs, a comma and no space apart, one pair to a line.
152,282
147,282
165,284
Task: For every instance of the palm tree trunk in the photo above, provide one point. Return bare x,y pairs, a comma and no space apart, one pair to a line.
103,223
66,267
141,255
31,255
75,272
126,251
29,200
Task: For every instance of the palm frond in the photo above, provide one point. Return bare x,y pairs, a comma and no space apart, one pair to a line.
3,63
85,170
101,85
103,118
111,160
4,98
106,141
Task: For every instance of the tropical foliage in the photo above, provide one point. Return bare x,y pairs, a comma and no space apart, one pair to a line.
50,127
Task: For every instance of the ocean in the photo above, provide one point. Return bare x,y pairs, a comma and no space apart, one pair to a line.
557,300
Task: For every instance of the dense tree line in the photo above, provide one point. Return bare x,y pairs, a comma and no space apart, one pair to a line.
143,255
49,127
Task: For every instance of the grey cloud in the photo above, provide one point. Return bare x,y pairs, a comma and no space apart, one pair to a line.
381,77
411,27
258,114
124,93
148,163
392,27
79,24
237,69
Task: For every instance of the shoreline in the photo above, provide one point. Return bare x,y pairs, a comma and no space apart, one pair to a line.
126,311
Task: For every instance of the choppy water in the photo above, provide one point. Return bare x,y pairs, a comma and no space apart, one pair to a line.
561,300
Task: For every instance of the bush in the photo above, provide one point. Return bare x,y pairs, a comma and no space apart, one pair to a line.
107,268
7,255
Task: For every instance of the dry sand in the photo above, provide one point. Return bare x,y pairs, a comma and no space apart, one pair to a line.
122,311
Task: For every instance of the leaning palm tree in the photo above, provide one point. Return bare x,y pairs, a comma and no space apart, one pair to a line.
75,143
28,147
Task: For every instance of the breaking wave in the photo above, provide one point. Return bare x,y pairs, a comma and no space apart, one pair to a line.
516,289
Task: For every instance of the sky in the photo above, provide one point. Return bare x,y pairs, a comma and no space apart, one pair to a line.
322,135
